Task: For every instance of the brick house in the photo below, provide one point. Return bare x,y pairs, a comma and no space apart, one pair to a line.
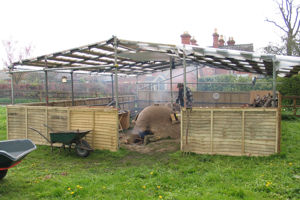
155,80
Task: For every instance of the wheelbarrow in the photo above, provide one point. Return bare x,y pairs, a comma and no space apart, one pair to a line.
12,152
82,147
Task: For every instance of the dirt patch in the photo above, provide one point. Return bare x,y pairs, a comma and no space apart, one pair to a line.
156,121
164,145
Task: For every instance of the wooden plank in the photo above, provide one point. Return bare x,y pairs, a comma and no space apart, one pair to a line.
211,129
181,130
7,123
243,132
276,133
93,133
69,119
279,121
26,123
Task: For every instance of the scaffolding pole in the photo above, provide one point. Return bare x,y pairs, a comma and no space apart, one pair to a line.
72,87
46,88
171,80
137,92
116,73
12,88
275,63
112,87
46,83
197,77
184,76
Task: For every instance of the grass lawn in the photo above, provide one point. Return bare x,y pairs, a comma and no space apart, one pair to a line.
18,100
131,175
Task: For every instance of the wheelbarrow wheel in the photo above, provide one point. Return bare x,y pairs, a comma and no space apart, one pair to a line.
3,173
80,151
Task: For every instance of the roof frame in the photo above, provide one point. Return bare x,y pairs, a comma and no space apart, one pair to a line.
153,57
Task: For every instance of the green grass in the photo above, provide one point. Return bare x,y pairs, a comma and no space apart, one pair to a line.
130,175
2,123
18,100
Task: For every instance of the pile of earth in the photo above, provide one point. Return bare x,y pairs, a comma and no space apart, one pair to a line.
156,120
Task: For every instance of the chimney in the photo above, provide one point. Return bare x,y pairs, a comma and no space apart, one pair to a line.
221,41
185,38
193,41
230,42
215,39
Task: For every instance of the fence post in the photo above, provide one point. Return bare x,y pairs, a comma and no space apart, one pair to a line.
294,106
12,88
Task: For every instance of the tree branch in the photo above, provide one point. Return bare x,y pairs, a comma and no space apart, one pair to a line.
296,20
285,18
270,21
289,12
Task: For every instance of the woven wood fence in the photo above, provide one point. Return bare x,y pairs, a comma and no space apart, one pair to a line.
231,131
103,121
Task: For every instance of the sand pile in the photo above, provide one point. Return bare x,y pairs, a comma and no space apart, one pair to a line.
157,119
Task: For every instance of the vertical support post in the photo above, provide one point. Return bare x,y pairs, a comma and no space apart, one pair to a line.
46,88
277,131
211,131
294,106
181,130
72,88
93,134
12,88
46,83
275,64
171,80
279,122
112,87
184,76
116,73
243,132
137,91
46,121
197,72
68,119
26,122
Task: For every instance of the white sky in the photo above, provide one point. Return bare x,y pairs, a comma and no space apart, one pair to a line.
56,25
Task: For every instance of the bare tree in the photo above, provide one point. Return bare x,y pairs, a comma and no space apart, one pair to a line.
290,26
15,53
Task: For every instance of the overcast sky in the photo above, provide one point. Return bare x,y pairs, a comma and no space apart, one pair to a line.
55,25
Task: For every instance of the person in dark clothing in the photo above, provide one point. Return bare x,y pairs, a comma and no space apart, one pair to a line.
180,98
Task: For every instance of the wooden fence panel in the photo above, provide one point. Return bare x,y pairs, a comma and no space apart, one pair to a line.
102,121
37,117
231,131
16,123
200,99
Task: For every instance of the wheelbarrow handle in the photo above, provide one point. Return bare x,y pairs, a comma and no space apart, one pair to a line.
41,134
49,127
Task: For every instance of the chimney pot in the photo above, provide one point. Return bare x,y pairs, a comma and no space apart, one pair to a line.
221,41
215,39
185,38
193,41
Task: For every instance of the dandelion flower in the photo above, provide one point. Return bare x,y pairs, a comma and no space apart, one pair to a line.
151,173
69,188
144,186
104,187
78,186
72,193
160,196
290,164
268,184
158,187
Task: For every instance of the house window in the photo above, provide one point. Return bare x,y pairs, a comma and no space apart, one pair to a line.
158,84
